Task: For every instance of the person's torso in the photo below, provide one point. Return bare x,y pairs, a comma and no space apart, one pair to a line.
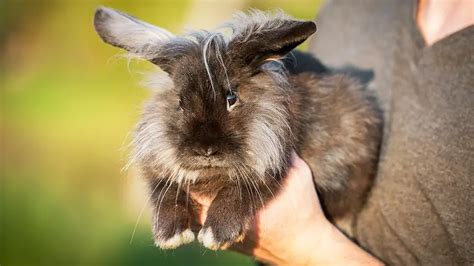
420,209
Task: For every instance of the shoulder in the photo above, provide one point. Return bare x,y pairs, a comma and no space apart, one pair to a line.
358,32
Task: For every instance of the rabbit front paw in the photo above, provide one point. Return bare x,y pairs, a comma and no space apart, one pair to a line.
178,239
220,236
171,228
226,223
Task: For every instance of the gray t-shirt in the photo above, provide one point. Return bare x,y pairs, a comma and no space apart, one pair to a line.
421,208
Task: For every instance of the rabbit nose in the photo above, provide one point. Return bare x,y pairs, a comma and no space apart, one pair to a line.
209,151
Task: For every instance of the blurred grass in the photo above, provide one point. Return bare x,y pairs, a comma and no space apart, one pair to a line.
67,105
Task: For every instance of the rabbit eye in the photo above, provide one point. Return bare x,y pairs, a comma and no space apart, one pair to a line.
231,100
180,106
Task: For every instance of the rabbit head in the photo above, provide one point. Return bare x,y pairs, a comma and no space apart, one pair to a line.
228,110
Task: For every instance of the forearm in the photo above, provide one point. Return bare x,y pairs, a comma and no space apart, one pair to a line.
336,249
316,248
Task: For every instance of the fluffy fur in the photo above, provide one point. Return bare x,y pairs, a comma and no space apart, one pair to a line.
192,139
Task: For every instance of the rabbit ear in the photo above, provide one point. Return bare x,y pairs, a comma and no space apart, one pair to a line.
129,33
264,36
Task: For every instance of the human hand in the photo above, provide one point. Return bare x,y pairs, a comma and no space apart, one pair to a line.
292,230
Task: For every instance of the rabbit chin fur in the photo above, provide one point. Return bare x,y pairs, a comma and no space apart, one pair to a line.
193,138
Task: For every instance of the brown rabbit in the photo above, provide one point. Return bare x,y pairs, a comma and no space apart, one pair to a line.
227,125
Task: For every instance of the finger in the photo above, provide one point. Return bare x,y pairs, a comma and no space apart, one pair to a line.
202,214
203,204
299,168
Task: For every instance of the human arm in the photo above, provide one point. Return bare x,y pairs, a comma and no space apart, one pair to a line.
292,229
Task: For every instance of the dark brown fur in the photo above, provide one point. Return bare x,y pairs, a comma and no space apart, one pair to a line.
189,142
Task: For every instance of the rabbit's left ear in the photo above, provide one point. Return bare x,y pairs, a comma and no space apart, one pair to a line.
274,38
124,31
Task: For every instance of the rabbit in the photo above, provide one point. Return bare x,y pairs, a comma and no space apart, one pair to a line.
230,117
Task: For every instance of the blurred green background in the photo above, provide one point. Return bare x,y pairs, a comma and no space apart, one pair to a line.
68,103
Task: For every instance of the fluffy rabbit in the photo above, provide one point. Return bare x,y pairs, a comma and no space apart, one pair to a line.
227,124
